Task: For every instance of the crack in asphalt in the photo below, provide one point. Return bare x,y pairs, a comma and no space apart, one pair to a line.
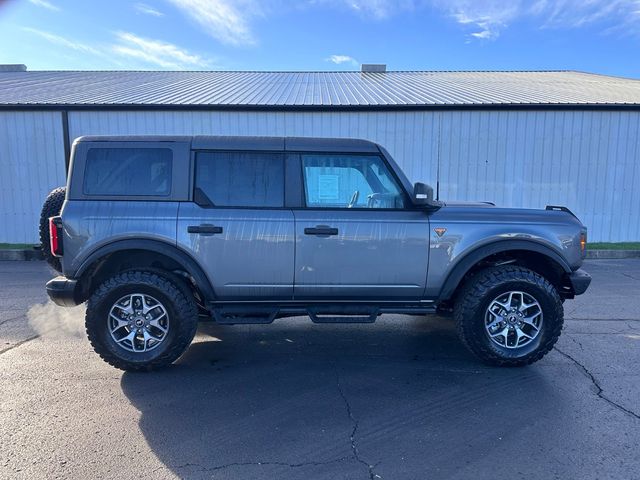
352,437
599,389
12,319
571,312
577,342
21,342
630,276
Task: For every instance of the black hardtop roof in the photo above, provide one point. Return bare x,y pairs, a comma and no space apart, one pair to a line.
212,142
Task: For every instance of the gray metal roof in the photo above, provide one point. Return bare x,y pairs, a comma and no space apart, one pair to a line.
313,89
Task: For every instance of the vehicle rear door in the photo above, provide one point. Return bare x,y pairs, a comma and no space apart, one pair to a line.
237,226
357,237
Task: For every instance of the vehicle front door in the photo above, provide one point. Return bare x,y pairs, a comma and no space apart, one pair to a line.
357,236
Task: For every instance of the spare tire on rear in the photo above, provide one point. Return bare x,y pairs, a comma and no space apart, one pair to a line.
51,208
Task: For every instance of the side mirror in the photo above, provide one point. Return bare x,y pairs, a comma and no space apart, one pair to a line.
422,194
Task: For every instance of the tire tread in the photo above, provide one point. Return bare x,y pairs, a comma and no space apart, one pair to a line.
475,291
183,304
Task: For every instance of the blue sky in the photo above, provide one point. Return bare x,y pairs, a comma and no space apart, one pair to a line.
600,36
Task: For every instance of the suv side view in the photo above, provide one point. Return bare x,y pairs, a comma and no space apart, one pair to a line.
158,233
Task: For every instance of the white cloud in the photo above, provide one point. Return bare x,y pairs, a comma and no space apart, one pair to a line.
229,21
487,17
63,41
224,20
378,9
340,59
147,10
578,13
129,46
485,34
490,17
156,52
45,4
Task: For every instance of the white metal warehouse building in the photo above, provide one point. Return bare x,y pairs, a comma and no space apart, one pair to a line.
523,139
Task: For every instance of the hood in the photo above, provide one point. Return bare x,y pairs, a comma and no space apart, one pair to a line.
488,212
467,204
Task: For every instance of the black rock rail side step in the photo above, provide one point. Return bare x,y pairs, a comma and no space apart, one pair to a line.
233,315
343,314
266,312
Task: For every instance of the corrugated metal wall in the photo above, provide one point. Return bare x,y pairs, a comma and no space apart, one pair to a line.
585,160
31,164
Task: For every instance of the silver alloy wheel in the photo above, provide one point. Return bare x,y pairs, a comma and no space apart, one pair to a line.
138,322
513,319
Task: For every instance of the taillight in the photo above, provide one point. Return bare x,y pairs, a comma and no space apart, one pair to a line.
583,244
55,236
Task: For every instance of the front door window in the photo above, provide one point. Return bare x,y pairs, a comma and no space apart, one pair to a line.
349,181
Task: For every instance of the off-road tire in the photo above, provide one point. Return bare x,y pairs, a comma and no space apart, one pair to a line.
174,295
51,208
481,289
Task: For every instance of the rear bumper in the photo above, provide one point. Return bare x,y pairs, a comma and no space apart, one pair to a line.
579,281
63,291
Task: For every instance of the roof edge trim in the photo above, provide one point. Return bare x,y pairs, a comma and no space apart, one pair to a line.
321,108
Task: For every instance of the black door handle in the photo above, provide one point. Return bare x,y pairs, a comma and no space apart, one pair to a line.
321,230
204,229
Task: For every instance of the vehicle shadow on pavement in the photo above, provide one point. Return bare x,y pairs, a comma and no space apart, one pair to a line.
401,398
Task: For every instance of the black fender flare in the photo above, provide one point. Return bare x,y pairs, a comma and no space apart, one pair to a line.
155,246
464,264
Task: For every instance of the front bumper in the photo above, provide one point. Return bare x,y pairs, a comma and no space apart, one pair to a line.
579,281
63,291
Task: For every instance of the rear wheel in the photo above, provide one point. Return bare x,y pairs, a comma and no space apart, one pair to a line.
141,320
51,208
509,316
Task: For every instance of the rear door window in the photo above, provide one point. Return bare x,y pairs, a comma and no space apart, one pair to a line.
240,179
128,172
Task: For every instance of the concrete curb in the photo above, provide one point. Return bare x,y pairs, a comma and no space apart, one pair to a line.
33,254
15,254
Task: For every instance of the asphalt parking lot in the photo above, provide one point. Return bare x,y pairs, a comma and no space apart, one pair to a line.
399,399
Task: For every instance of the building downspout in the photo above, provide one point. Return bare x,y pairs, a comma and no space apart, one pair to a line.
66,140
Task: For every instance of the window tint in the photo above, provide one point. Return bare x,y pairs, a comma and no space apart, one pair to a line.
349,181
241,179
128,171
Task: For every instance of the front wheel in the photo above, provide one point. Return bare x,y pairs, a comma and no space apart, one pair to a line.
509,316
141,320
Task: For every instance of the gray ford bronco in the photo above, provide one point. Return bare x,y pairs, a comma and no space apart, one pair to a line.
158,233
